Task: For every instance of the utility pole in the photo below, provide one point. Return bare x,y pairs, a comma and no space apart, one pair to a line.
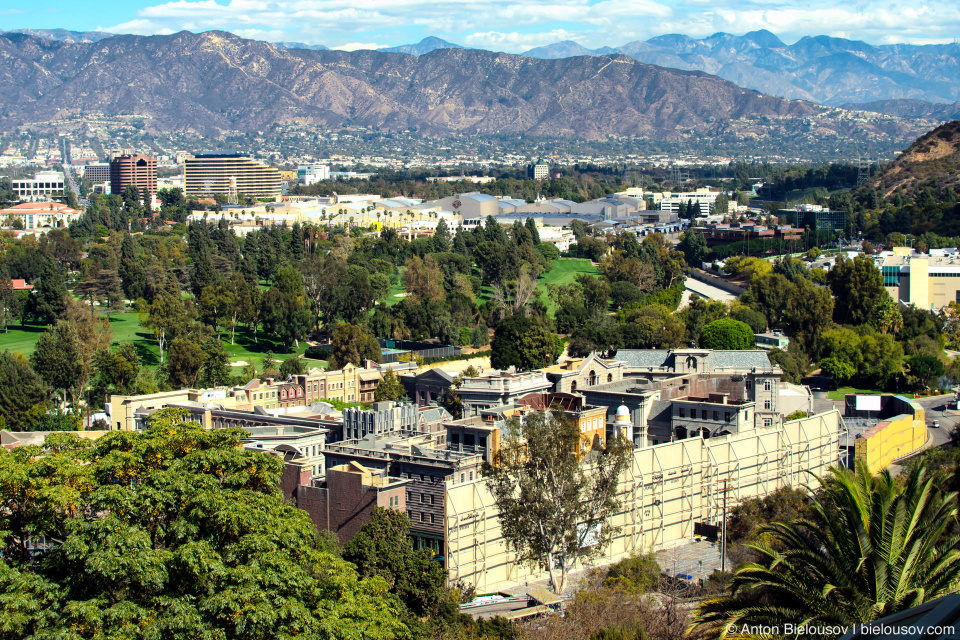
723,530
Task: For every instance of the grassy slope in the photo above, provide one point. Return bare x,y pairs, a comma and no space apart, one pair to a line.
126,328
564,271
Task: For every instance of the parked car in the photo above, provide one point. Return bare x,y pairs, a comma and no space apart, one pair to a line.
936,424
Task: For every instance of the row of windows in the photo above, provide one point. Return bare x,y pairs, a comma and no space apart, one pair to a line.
589,425
394,501
425,498
682,413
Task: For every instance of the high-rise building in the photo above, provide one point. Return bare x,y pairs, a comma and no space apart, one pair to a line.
229,174
134,170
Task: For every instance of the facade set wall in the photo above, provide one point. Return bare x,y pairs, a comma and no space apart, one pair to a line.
664,492
890,440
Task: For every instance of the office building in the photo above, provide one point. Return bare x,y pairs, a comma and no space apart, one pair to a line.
929,282
499,388
815,218
229,174
540,170
97,173
137,170
308,174
42,187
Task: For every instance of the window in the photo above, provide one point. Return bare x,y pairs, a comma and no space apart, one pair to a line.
423,517
749,384
726,416
766,405
423,498
432,518
703,414
462,476
682,412
471,476
767,422
716,416
431,499
766,385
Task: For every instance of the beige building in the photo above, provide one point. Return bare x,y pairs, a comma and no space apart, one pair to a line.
928,282
349,384
667,489
579,373
229,174
122,411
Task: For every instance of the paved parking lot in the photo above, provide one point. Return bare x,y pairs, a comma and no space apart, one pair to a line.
697,559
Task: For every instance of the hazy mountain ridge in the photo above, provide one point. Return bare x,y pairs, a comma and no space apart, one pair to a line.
822,69
830,71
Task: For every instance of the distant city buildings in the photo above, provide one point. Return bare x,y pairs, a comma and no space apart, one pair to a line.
229,174
538,170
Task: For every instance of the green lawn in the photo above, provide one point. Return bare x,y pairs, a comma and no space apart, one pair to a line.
392,298
126,328
842,391
564,271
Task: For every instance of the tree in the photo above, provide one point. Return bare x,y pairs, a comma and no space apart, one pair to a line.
350,343
382,549
423,279
926,369
553,500
20,390
59,359
48,301
857,288
727,333
293,367
520,342
166,316
840,369
390,388
874,546
185,359
693,246
173,532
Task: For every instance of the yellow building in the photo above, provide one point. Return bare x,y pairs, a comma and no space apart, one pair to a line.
925,281
666,490
122,410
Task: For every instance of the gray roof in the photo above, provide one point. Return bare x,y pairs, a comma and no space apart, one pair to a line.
478,197
644,357
659,411
435,414
440,373
753,359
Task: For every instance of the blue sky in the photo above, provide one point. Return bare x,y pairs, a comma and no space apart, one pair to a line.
502,25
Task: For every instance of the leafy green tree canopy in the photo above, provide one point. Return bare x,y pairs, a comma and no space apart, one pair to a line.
727,333
173,532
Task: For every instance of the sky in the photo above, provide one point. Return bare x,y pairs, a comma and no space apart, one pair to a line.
513,26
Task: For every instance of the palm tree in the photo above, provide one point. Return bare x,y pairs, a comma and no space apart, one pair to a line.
881,545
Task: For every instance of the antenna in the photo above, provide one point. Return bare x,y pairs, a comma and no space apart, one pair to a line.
863,170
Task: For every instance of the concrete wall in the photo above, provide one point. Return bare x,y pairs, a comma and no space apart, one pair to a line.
666,489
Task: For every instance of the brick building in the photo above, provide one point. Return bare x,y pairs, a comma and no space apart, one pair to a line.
137,170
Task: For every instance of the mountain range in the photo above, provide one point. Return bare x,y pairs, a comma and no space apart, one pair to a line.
822,69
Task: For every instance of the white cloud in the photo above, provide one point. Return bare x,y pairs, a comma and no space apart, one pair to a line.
517,25
356,46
